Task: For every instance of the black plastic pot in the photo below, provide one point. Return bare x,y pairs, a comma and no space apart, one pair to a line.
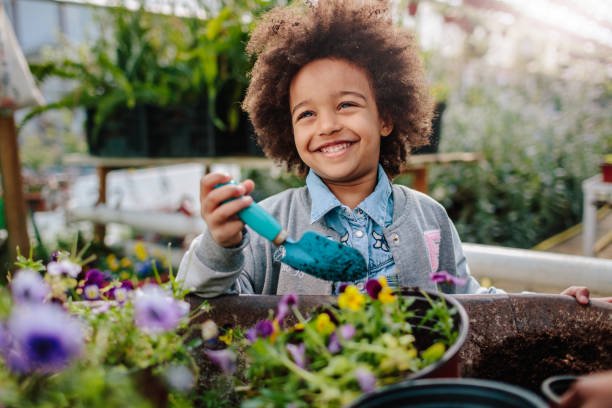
448,366
554,387
450,393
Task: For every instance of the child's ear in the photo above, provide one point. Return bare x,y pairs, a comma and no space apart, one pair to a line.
386,129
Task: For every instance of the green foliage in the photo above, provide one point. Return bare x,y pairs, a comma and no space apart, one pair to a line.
541,137
143,58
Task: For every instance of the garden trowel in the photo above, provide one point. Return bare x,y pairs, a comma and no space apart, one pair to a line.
313,254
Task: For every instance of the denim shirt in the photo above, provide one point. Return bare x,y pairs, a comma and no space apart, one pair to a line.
361,228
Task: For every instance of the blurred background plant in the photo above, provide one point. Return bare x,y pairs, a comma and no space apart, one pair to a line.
151,76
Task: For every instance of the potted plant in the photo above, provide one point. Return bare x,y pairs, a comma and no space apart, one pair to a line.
353,346
157,85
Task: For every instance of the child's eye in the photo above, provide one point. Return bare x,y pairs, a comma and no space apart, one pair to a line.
304,114
347,104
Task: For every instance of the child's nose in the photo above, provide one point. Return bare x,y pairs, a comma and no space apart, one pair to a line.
328,123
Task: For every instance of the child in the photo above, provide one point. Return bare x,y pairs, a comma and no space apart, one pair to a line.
338,93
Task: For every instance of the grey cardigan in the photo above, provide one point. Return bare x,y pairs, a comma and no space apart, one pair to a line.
422,240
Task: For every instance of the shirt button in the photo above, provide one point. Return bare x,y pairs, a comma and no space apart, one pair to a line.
359,234
395,238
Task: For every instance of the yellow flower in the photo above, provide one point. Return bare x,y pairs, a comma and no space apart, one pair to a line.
386,295
124,275
275,333
125,262
383,282
140,251
111,260
227,337
299,326
324,325
351,298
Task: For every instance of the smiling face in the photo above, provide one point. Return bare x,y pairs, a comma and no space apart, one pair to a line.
336,124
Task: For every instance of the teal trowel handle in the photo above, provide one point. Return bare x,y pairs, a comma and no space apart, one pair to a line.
259,220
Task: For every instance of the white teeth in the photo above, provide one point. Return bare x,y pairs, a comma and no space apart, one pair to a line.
335,148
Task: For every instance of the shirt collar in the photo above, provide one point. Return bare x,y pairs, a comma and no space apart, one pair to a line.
377,205
323,200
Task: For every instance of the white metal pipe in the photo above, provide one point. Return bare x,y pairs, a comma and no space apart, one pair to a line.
538,268
176,224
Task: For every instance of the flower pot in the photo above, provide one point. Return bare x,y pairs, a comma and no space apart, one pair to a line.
246,310
606,172
448,393
554,387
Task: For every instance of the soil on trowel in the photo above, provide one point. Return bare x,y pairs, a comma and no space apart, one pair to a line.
528,359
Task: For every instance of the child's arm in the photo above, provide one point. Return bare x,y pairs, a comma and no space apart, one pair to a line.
215,260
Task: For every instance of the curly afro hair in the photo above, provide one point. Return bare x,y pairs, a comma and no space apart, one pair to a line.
358,31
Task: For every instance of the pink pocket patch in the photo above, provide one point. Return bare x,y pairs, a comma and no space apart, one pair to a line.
432,238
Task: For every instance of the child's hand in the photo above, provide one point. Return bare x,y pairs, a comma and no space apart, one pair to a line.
220,216
581,294
593,391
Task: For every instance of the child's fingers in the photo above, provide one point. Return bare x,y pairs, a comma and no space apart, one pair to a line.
215,197
581,293
224,212
248,185
210,180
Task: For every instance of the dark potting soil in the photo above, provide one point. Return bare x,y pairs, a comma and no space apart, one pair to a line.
528,359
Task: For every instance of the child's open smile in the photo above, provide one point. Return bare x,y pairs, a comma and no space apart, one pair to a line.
336,124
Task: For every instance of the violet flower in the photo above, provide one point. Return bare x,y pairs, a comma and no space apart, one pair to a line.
284,306
366,379
373,287
445,277
94,277
91,292
262,329
156,312
29,287
342,287
334,345
120,294
347,331
298,354
64,267
225,359
44,338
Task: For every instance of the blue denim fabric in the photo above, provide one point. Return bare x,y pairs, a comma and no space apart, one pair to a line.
361,228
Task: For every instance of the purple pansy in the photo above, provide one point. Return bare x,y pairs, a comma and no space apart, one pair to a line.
373,287
43,338
347,331
342,287
263,329
155,311
91,292
298,354
120,294
225,359
29,287
64,267
285,305
445,277
334,345
94,277
366,379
